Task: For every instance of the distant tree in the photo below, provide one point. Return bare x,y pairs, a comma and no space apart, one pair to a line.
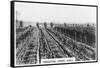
51,24
64,24
88,25
17,15
45,24
37,24
21,23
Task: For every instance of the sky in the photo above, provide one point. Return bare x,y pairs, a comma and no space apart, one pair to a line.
36,12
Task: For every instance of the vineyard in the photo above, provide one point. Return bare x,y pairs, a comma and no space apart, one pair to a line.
57,41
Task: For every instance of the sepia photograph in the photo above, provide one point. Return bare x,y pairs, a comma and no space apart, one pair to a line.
54,33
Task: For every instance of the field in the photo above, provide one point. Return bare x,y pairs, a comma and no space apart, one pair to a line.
34,43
